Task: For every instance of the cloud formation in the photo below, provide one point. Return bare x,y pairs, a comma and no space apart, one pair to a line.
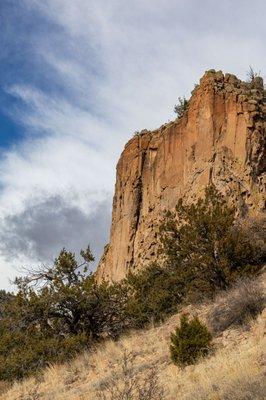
42,229
79,77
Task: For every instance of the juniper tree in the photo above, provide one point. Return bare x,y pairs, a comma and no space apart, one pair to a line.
152,294
190,341
203,246
57,311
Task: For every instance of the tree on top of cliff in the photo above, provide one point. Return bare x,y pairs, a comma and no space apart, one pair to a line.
252,74
181,107
203,245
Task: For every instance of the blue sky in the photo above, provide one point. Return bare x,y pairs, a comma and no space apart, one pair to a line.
77,78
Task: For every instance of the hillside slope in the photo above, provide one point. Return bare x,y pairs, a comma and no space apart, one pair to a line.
234,371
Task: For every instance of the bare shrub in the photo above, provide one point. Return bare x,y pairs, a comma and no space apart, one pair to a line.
32,394
4,386
253,389
254,227
72,374
130,384
236,306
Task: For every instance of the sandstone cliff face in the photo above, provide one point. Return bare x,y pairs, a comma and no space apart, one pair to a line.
220,139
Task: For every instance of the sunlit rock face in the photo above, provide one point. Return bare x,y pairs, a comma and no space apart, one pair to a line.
219,139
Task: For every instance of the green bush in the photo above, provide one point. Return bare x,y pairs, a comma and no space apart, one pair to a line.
203,245
23,353
189,342
153,294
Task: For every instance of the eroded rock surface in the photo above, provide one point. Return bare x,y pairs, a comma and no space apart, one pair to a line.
220,139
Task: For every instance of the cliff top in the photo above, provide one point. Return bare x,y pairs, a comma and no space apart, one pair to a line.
228,85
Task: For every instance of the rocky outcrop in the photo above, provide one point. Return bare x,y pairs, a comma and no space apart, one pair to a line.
219,139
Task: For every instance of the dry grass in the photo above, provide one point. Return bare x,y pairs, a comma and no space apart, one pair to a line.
237,306
126,383
234,372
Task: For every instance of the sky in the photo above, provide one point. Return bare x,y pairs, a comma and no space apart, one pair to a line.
77,79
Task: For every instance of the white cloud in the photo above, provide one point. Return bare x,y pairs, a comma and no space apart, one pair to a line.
111,68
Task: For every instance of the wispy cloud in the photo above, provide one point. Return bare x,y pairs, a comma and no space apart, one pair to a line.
80,77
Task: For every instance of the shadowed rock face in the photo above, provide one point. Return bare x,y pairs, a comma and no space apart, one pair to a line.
220,139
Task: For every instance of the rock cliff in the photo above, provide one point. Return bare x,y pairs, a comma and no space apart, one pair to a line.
219,139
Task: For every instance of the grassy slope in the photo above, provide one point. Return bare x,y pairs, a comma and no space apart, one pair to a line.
235,370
